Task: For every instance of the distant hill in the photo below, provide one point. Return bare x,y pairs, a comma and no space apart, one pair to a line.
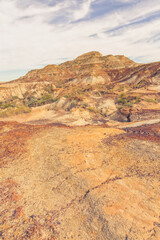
92,88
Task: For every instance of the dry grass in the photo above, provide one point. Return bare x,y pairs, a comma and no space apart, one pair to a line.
14,111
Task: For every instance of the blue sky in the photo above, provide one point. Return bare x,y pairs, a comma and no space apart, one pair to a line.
34,33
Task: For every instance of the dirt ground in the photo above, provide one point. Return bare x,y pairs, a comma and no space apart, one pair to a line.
90,182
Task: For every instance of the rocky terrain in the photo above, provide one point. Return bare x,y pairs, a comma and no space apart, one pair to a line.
92,88
80,151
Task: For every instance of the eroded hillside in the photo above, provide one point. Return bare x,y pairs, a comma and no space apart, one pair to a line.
88,90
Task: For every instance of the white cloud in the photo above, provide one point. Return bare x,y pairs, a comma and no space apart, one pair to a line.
83,10
27,40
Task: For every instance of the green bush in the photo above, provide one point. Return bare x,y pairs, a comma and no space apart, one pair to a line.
122,99
6,105
45,99
125,100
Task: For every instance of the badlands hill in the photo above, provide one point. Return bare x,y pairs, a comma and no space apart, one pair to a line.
80,151
92,88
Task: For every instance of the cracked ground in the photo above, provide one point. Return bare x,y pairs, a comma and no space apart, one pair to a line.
90,183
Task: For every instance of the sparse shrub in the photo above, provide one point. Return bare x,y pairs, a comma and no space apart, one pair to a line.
93,109
15,97
45,99
129,104
151,100
141,84
78,94
49,88
72,105
31,101
104,92
84,105
110,87
97,93
6,105
14,111
122,99
134,99
21,109
125,100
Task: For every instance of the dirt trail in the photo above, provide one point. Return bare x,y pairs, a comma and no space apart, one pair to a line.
140,123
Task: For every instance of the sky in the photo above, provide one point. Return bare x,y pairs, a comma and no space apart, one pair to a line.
35,33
